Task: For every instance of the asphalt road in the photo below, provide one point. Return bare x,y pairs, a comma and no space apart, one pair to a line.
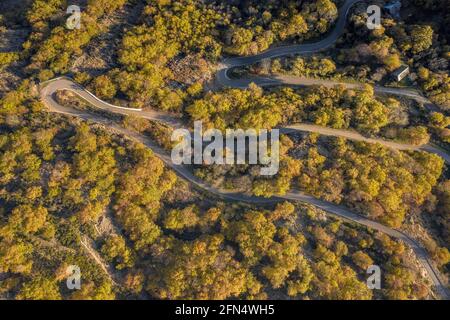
49,89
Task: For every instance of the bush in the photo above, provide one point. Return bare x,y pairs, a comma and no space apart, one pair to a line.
104,88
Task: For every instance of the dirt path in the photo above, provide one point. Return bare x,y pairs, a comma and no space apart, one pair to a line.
91,250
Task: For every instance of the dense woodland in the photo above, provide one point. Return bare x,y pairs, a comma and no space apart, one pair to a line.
46,223
75,193
336,107
59,180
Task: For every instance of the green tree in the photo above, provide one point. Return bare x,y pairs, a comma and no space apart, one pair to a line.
362,260
15,257
184,218
116,250
104,88
26,219
39,288
421,38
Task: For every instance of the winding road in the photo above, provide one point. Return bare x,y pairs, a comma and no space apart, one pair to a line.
223,79
49,89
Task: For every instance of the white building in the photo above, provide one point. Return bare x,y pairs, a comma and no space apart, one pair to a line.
400,73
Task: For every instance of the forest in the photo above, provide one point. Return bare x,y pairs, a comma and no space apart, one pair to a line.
152,212
73,192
